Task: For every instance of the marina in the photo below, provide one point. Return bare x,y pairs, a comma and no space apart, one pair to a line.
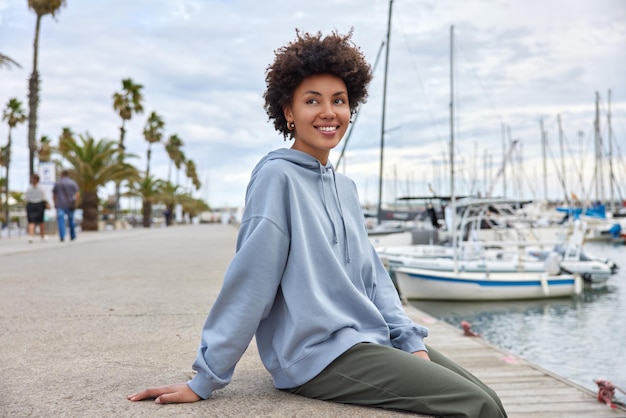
511,265
492,274
580,338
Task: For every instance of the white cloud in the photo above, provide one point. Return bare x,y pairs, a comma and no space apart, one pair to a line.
202,65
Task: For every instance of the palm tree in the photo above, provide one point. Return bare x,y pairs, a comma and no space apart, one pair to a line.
149,189
191,205
127,103
13,115
44,150
66,139
178,162
4,158
6,61
192,174
153,132
173,148
41,8
94,164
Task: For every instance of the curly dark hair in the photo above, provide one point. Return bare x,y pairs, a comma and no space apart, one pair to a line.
311,54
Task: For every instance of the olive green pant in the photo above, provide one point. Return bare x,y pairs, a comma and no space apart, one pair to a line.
384,377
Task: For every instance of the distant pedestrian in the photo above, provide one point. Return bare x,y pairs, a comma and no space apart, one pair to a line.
66,194
35,208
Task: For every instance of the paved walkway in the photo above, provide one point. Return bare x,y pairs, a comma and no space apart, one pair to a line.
85,323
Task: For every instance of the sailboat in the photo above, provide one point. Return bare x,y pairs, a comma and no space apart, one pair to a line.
395,226
447,277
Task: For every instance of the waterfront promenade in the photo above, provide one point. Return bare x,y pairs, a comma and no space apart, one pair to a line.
85,323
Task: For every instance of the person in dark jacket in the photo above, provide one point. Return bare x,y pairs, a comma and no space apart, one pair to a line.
66,194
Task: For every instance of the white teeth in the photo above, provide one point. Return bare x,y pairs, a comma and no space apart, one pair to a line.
327,128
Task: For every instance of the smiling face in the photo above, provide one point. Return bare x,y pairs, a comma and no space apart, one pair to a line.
320,112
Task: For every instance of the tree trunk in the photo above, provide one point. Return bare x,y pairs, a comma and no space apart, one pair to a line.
121,158
90,211
148,154
147,213
6,184
33,103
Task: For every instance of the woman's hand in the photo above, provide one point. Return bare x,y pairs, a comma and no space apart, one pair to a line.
178,393
422,354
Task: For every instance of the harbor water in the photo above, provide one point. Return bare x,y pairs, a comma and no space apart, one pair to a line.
582,339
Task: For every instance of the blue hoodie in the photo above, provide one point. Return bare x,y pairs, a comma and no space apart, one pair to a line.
305,280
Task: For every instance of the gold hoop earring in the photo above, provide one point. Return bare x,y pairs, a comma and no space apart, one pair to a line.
291,126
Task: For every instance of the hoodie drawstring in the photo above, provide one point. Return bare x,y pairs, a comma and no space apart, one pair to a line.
335,238
343,221
345,231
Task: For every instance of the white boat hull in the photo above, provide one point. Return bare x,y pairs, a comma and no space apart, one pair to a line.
446,285
390,239
594,272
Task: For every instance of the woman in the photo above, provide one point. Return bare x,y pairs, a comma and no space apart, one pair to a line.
35,208
305,279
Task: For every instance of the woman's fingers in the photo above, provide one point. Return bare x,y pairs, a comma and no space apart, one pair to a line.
178,397
167,394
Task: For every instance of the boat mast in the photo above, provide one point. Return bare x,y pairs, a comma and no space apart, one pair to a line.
503,134
610,134
564,177
382,125
544,159
598,143
452,192
452,196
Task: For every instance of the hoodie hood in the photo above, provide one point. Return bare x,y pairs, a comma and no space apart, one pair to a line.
293,156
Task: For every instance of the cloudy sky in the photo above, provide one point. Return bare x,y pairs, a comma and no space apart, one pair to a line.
202,64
